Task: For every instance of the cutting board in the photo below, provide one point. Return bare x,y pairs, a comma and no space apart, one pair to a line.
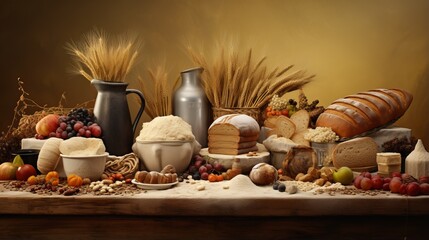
246,162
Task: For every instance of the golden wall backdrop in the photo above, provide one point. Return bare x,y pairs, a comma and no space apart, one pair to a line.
351,46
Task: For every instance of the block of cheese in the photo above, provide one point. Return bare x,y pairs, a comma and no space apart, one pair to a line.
357,154
233,145
388,162
32,143
235,125
359,113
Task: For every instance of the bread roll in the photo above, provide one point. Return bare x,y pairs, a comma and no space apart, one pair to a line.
263,174
364,111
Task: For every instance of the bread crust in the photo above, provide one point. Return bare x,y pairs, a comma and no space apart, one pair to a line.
364,111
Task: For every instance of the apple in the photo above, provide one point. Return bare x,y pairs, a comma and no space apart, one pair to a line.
343,175
47,124
8,171
25,171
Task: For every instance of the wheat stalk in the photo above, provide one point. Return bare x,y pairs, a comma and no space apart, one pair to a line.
231,81
99,57
159,92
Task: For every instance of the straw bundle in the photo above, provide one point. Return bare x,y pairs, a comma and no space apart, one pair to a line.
99,57
231,81
159,92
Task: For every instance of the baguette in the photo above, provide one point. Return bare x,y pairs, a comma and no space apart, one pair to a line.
358,113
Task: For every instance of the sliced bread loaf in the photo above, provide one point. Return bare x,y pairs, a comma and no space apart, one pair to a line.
235,125
301,119
356,153
284,127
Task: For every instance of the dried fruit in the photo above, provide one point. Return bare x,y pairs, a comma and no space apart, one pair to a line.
74,180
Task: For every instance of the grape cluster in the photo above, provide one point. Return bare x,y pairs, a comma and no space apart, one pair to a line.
200,168
79,122
403,184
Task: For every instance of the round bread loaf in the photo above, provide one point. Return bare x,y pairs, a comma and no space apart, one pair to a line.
263,174
364,111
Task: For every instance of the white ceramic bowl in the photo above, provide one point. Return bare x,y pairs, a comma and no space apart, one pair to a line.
91,166
158,154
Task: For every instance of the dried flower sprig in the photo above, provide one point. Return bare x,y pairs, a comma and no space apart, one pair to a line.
99,57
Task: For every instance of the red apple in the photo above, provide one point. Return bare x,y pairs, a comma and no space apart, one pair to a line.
7,171
47,124
25,171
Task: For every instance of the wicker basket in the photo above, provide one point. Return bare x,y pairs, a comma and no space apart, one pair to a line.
253,112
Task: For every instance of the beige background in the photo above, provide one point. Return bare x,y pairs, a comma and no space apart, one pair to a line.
351,46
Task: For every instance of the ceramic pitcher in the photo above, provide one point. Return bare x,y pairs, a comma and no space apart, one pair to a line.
113,115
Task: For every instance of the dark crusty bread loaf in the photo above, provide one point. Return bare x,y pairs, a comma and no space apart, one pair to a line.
364,111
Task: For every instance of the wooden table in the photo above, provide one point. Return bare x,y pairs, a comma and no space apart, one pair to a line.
185,213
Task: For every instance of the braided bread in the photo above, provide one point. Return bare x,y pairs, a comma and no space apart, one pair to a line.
167,175
126,165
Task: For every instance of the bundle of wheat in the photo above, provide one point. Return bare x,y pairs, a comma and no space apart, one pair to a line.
232,81
99,57
159,92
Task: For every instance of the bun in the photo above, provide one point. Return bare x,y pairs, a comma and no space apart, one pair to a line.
263,174
154,177
364,111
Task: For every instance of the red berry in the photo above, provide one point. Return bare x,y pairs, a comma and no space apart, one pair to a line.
377,183
96,131
413,189
403,189
386,187
366,183
424,188
396,174
88,134
202,169
78,125
357,181
205,176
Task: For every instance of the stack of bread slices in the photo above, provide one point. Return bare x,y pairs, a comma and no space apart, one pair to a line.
292,128
233,134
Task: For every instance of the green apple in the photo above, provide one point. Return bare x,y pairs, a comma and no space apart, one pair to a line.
343,175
